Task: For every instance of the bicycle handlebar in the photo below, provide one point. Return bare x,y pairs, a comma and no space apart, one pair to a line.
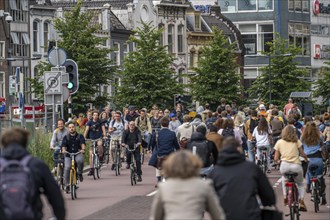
72,154
134,148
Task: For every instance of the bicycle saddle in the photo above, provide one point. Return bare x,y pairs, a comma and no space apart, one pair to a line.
291,174
263,148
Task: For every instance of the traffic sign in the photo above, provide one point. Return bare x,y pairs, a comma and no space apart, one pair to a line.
53,82
57,57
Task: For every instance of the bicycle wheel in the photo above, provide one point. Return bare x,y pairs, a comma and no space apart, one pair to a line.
132,177
135,177
60,180
94,166
97,167
73,191
315,197
117,162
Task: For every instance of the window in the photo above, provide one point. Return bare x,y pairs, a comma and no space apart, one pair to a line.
299,35
116,51
2,84
247,5
197,22
299,5
256,36
46,36
20,43
291,5
2,49
228,6
305,5
19,10
180,78
322,30
125,49
180,39
35,36
192,57
170,36
265,5
105,91
161,38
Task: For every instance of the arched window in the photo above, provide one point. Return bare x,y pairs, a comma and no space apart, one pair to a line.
161,38
46,35
180,38
35,36
170,38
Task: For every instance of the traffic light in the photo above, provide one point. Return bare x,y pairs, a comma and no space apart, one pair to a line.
71,68
178,99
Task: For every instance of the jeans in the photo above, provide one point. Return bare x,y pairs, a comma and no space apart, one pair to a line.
147,136
267,154
79,159
319,171
137,158
251,145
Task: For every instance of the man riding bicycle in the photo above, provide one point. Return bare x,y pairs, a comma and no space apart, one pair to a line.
131,137
117,127
95,130
55,144
143,124
73,143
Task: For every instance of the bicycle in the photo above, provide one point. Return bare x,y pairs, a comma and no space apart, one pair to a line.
316,187
106,147
117,160
292,195
59,170
133,169
73,186
96,164
262,162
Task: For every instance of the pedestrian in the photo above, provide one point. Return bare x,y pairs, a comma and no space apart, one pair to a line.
163,143
185,195
35,176
174,123
238,182
213,136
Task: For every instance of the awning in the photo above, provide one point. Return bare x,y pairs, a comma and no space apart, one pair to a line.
14,37
301,94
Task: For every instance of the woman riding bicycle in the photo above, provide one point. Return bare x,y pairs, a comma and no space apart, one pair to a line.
312,144
288,148
261,134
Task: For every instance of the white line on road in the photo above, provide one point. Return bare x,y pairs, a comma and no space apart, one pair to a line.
152,193
277,182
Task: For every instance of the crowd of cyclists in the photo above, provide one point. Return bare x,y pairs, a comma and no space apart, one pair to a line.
290,139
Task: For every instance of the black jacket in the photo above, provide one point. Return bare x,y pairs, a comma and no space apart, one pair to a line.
206,150
237,182
43,180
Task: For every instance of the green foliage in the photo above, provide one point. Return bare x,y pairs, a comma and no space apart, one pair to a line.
217,72
286,77
81,44
37,83
39,146
147,78
322,87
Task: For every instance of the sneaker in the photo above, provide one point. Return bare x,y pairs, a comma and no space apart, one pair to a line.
285,201
302,206
127,166
139,178
113,166
324,200
67,189
91,172
81,178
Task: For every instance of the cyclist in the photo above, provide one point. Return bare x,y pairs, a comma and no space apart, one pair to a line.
94,130
143,124
117,127
130,137
312,144
131,115
73,143
250,125
55,144
261,133
288,148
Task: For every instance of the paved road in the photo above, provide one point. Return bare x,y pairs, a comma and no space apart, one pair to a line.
113,197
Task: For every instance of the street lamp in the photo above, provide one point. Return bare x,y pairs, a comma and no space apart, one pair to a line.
22,86
270,56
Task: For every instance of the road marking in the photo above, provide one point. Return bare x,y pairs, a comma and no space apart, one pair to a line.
152,193
277,182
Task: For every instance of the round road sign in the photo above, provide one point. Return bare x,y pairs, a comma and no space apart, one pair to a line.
57,57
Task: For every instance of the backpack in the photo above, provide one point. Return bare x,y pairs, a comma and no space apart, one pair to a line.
228,132
17,188
253,124
114,120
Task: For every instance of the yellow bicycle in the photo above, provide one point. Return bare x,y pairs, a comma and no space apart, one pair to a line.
73,176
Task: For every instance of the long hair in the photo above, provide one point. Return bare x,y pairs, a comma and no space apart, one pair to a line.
311,134
219,123
262,126
289,134
229,123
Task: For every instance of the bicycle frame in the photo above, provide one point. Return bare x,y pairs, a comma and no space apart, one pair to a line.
73,175
293,197
132,166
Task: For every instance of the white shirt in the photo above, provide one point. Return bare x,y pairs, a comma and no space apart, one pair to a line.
119,127
262,139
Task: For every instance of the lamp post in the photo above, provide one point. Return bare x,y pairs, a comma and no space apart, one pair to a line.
22,87
270,56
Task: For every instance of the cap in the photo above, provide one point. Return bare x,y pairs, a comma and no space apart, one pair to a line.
172,115
262,106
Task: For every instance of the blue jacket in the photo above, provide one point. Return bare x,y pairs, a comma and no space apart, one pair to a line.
167,142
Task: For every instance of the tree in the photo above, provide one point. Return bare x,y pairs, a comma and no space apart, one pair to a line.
283,72
147,78
216,76
81,44
322,87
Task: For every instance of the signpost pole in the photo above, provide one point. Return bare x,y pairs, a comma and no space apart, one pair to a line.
54,106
